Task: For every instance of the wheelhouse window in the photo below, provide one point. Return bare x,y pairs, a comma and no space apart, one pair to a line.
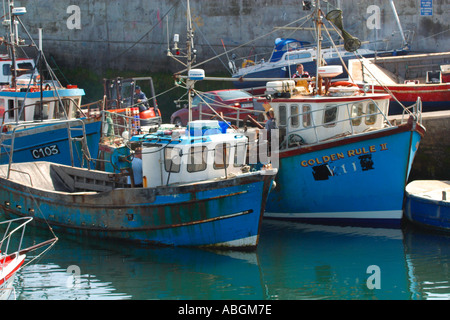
221,156
371,114
294,116
240,152
41,113
10,109
306,116
356,113
172,159
61,110
296,56
283,118
6,69
25,66
330,116
197,159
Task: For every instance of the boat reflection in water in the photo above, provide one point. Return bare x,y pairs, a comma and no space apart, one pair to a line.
293,261
428,257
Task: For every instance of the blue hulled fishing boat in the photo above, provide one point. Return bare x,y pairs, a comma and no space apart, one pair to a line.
340,159
182,189
175,187
40,119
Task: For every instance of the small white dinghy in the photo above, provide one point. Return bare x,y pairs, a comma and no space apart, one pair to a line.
428,203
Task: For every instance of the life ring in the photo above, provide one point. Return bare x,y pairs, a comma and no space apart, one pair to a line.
343,84
248,62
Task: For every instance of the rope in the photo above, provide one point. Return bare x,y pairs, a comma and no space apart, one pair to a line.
242,45
140,39
361,59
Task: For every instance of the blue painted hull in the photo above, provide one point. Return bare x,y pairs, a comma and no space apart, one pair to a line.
357,179
224,213
50,142
430,213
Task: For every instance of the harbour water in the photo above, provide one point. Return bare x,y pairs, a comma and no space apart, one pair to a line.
294,261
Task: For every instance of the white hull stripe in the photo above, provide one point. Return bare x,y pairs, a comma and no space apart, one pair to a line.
391,214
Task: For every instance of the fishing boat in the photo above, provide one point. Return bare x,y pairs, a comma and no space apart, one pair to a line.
40,118
252,75
340,159
182,189
287,53
120,94
12,260
406,78
173,187
427,203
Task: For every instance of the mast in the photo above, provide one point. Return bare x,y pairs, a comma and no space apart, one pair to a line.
394,10
319,48
12,44
189,49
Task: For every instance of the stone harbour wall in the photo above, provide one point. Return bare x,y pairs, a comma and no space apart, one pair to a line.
432,160
133,35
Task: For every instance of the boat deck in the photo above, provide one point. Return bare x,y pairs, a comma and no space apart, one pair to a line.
54,177
432,189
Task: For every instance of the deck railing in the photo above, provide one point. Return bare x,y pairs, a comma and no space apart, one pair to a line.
315,127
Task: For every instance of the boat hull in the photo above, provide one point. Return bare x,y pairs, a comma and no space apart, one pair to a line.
434,97
426,211
225,213
50,142
8,268
357,180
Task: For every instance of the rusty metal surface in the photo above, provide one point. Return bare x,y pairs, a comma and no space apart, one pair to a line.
196,214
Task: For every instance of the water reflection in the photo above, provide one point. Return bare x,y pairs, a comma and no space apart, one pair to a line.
330,262
293,261
428,257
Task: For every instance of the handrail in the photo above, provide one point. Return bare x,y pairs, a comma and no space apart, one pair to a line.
8,234
37,103
349,118
238,110
31,124
121,124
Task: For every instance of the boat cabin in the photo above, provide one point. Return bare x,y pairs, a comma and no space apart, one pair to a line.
203,151
284,45
304,117
25,69
12,101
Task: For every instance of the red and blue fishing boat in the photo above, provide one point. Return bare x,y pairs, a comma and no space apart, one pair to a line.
340,159
40,119
425,76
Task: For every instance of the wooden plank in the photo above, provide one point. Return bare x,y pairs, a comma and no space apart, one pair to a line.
92,186
67,180
88,174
